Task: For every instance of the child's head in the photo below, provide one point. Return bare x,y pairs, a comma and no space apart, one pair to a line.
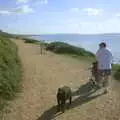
95,64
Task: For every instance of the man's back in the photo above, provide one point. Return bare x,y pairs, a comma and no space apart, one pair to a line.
104,58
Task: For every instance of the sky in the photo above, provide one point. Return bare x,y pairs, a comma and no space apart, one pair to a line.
60,16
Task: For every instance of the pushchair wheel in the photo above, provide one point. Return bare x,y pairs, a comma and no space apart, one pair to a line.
94,84
105,83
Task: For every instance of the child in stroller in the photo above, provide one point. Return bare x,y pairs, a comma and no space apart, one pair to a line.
94,75
98,80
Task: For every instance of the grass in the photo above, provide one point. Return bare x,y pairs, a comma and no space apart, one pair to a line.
10,71
4,34
116,71
80,58
29,40
33,41
116,67
69,50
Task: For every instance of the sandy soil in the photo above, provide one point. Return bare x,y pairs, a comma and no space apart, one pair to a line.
43,74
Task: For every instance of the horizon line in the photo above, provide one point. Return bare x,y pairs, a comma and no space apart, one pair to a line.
25,34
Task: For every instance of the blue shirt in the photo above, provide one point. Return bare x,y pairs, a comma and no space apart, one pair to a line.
104,58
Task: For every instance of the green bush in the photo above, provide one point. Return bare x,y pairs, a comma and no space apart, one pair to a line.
64,48
10,72
116,72
28,40
45,44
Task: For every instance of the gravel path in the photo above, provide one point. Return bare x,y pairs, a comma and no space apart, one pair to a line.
42,75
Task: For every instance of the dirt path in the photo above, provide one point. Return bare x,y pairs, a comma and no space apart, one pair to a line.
44,74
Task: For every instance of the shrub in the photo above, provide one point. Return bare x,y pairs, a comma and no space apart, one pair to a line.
64,48
116,72
28,40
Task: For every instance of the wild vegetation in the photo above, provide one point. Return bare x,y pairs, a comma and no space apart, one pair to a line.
10,71
116,71
29,40
64,48
4,34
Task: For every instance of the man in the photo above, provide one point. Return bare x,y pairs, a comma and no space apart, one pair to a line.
104,58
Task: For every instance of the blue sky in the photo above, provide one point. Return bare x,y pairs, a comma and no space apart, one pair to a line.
60,16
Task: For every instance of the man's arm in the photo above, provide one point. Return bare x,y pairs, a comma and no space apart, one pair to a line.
111,57
97,54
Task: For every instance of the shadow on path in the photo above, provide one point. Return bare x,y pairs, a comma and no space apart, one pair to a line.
84,95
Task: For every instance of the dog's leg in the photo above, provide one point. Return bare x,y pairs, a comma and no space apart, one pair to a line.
63,105
70,100
58,102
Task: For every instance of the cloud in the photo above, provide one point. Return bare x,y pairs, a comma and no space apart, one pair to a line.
117,15
38,2
86,11
74,9
110,25
33,1
22,1
23,9
5,12
44,1
104,26
93,11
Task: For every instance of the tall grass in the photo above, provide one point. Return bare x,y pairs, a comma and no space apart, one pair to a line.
10,71
4,34
116,71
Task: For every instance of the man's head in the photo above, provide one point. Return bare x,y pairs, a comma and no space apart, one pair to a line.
102,45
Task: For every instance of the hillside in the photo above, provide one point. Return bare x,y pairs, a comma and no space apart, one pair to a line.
4,34
43,74
10,72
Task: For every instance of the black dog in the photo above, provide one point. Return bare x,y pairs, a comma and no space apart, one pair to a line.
63,94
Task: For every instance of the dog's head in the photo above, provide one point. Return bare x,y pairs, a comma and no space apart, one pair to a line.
60,91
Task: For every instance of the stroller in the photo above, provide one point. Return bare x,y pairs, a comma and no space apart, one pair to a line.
94,76
96,82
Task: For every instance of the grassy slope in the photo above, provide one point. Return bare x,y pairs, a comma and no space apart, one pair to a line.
64,48
10,73
4,34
